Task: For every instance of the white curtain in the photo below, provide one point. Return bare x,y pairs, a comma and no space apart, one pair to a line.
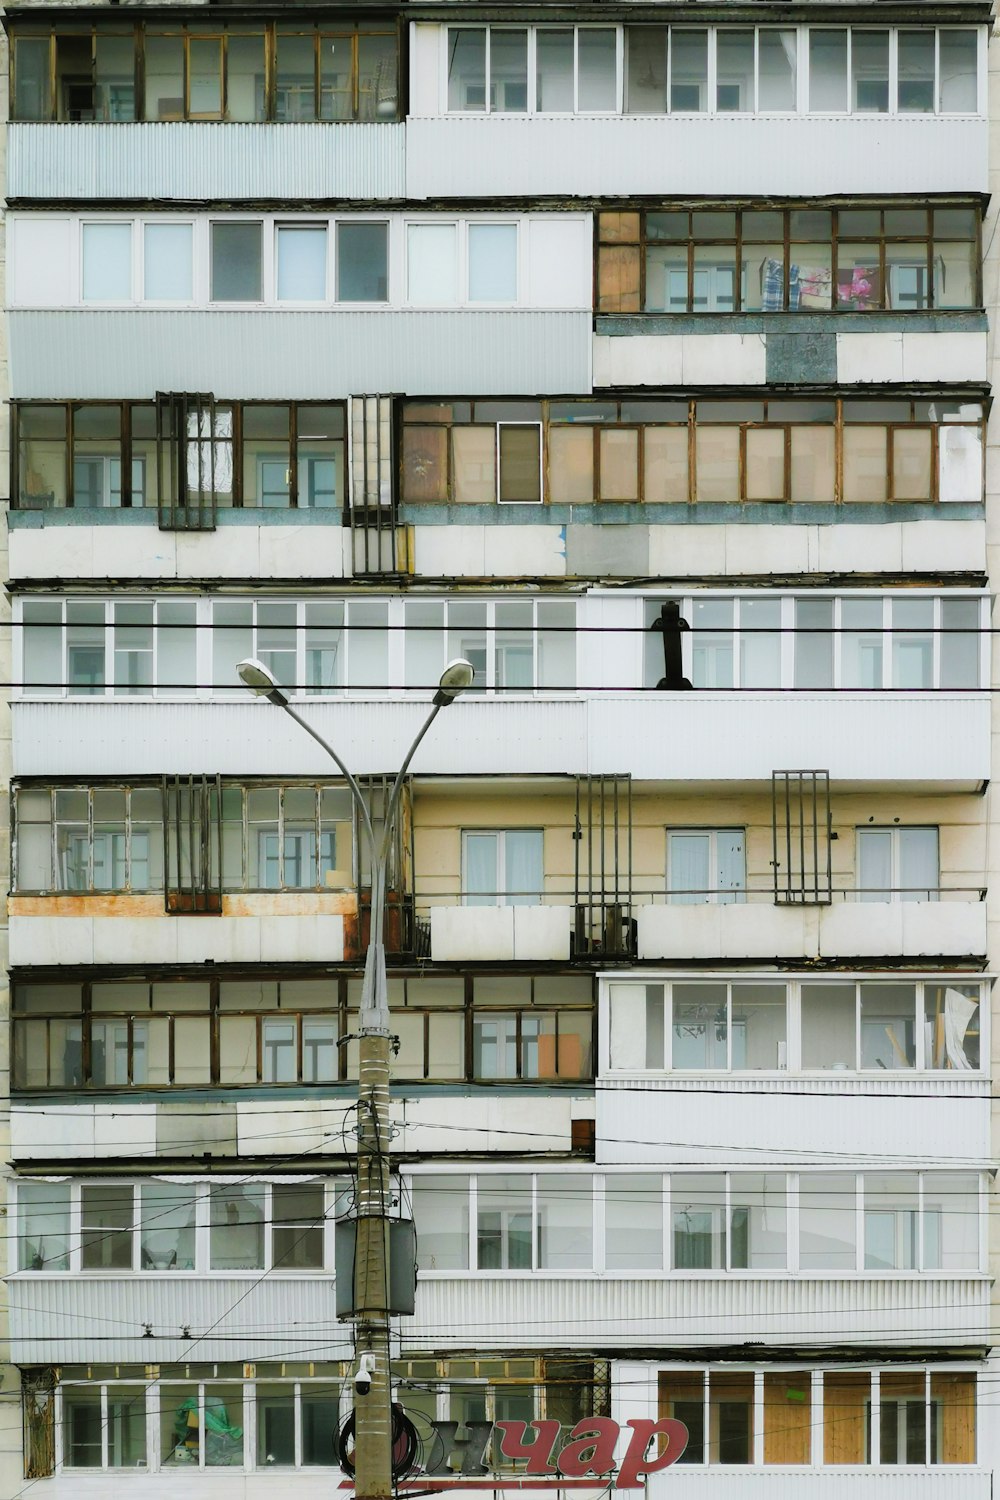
523,859
688,875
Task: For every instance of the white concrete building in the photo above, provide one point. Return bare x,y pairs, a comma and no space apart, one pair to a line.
357,339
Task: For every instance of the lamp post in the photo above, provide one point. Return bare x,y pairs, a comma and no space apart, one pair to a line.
373,1407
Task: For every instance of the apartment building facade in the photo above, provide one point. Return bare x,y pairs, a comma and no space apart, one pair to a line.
638,354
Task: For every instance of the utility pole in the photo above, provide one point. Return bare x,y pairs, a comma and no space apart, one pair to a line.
372,1406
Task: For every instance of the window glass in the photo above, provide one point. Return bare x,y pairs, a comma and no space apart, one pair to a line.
336,83
827,1222
951,1220
829,1023
734,70
298,1216
717,459
107,262
167,263
492,262
106,1226
301,262
114,78
888,1022
951,1027
827,70
787,1417
814,643
571,465
164,77
519,457
508,70
167,1226
619,460
83,1424
432,263
362,262
554,70
246,97
565,1222
237,1228
645,70
913,643
43,1225
467,68
688,71
295,75
698,1217
846,1417
760,643
915,71
759,1026
204,76
32,94
731,1417
958,61
891,1221
903,1421
236,262
953,1415
377,78
597,69
776,69
633,1222
700,1026
503,1223
757,1221
320,456
869,71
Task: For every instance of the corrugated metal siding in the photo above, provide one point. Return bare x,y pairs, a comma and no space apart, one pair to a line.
545,1313
69,1320
213,162
296,355
866,738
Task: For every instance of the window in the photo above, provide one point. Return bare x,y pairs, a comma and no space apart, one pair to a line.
905,258
224,71
492,262
107,262
236,262
168,274
432,263
90,839
705,865
502,867
746,1025
504,1224
43,1226
633,1222
106,1227
898,864
362,262
514,645
301,251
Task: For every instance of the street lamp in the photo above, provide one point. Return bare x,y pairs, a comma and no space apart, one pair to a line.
373,1410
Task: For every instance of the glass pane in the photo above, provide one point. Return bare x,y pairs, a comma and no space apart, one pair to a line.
298,1216
776,69
888,1021
378,85
236,262
913,643
295,81
731,1418
688,71
520,462
903,1426
41,458
597,69
432,263
164,77
275,1408
951,1027
633,1222
508,70
107,262
869,71
951,1221
246,98
958,64
645,70
859,286
492,262
473,465
827,71
223,1426
571,465
106,1225
759,1026
915,64
205,77
682,1396
760,643
166,1226
619,455
813,643
441,1214
32,94
953,1409
503,1227
237,1228
765,463
336,83
734,64
861,645
467,68
167,263
425,464
665,460
717,457
865,463
827,1222
301,263
757,1221
907,277
362,263
829,1022
698,1217
43,1224
891,1221
554,70
565,1222
82,1427
700,1026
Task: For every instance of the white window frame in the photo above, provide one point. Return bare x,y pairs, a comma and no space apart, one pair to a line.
900,889
715,897
501,895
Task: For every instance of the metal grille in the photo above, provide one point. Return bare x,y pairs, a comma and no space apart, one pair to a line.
192,845
401,935
800,828
375,543
602,867
194,458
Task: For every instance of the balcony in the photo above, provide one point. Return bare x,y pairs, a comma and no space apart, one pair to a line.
892,738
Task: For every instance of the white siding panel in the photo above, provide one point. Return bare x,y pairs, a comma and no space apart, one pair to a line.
164,940
700,1127
39,259
560,262
188,161
296,355
546,1312
856,736
68,1319
502,155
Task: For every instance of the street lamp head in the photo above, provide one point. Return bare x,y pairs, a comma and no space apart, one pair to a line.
456,677
254,675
